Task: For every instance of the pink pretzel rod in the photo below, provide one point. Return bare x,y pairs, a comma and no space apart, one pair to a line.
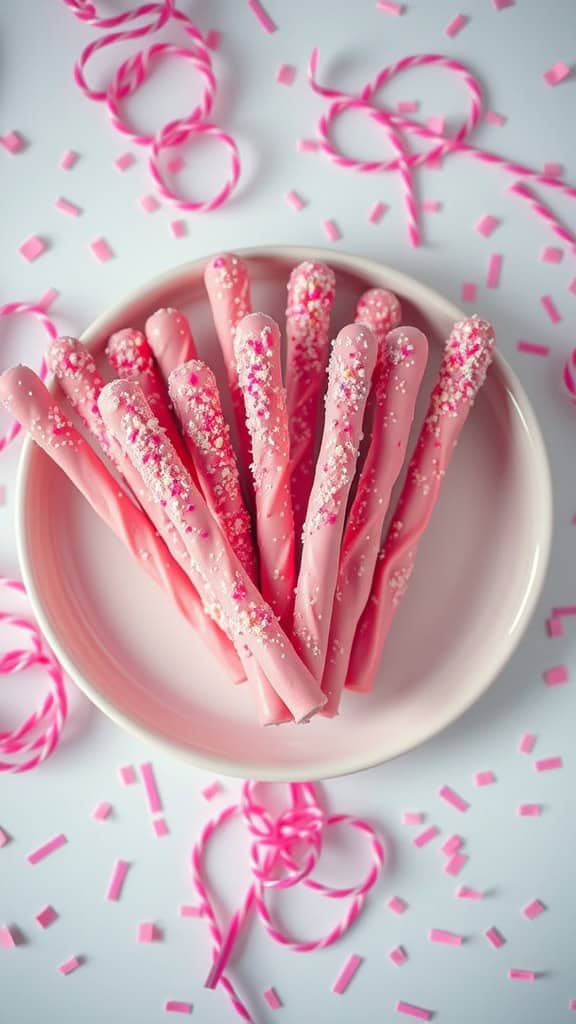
350,370
257,350
74,367
311,291
171,340
14,309
542,211
399,370
467,357
214,567
228,287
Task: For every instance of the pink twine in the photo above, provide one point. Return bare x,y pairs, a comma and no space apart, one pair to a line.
12,309
400,128
35,739
284,852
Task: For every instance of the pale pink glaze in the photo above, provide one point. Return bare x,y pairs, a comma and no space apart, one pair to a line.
350,370
311,290
467,356
398,374
170,338
257,350
228,593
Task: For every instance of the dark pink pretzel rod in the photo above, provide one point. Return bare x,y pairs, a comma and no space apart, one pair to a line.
171,340
467,357
226,589
13,309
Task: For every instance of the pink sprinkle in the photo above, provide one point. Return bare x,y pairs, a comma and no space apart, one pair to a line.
553,170
556,676
4,838
436,124
572,1004
554,626
377,211
492,117
529,810
572,286
486,225
173,1006
148,932
501,5
272,998
307,146
425,837
160,827
331,230
285,74
127,775
531,348
213,39
465,893
390,8
7,938
295,200
452,844
484,778
453,798
567,609
46,300
548,764
346,974
116,883
413,1011
263,17
185,910
175,165
447,938
517,974
101,811
533,909
124,161
101,250
151,788
65,206
69,160
557,73
412,818
397,905
47,848
431,205
494,269
549,307
527,742
495,938
149,204
455,864
550,254
407,106
469,291
398,956
32,248
456,25
46,916
209,792
69,965
178,228
13,142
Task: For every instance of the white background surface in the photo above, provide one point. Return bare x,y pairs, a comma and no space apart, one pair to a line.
513,859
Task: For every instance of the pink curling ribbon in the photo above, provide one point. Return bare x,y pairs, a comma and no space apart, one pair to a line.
400,128
284,852
12,309
569,376
25,747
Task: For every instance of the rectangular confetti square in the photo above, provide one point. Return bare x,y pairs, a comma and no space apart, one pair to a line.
46,916
495,938
548,764
346,974
456,25
456,863
484,778
533,909
469,291
453,798
398,956
529,810
69,965
494,270
116,884
285,74
47,848
101,250
425,837
557,73
556,676
32,248
530,348
272,998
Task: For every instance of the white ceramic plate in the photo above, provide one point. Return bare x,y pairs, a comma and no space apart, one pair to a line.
479,570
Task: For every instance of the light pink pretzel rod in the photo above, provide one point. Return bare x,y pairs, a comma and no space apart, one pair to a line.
311,291
397,378
257,349
14,309
467,356
228,287
224,586
350,370
171,340
25,396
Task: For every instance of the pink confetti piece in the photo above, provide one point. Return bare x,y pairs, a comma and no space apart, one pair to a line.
554,626
572,286
46,300
456,25
32,248
69,160
272,998
70,965
550,254
398,956
390,8
407,106
7,938
432,205
527,742
549,307
46,916
263,17
495,938
285,74
124,161
494,270
465,893
531,348
557,73
47,848
174,1006
425,837
185,910
553,170
160,827
529,810
469,291
436,124
548,764
307,146
397,905
445,938
13,142
149,204
412,818
116,884
487,225
567,609
101,250
454,799
501,5
377,211
556,676
213,39
533,909
455,864
209,792
484,778
492,117
413,1011
127,775
147,932
452,844
65,206
101,811
295,200
518,974
572,1004
346,974
151,787
4,838
331,230
178,228
175,165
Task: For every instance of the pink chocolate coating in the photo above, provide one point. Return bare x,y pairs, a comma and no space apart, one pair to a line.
226,589
170,338
350,370
467,356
